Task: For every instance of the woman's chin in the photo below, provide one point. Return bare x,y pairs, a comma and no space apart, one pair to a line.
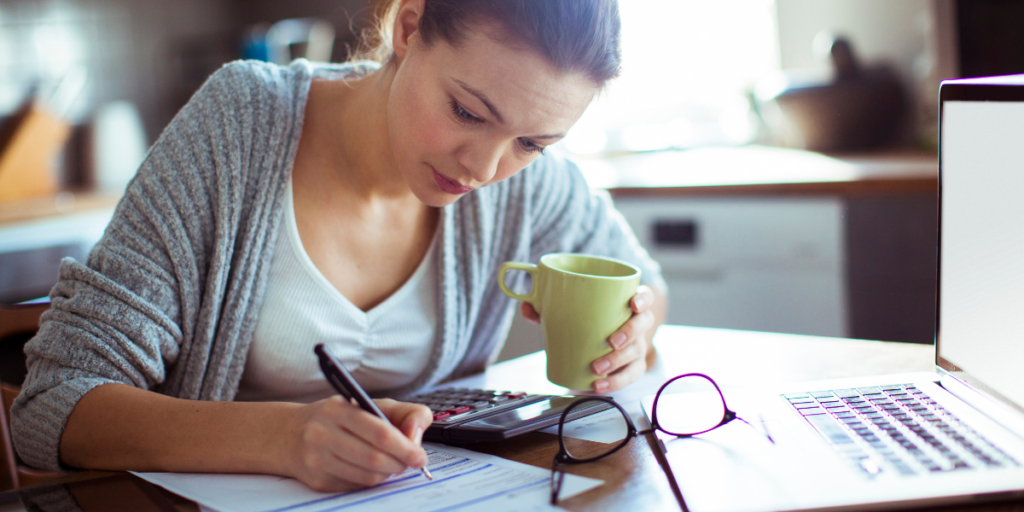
437,198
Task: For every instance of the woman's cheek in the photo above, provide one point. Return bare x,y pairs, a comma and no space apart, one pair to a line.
437,135
507,168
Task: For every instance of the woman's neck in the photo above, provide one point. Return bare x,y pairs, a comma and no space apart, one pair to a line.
346,125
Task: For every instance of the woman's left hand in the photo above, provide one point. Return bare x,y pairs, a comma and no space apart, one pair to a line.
630,344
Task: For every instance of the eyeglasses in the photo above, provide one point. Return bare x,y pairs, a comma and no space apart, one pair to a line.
695,393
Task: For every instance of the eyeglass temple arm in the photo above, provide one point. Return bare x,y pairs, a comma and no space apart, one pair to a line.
763,429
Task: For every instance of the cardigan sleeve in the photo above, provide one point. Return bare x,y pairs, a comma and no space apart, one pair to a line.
568,216
125,315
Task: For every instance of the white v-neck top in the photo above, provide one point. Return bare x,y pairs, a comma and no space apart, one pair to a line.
384,348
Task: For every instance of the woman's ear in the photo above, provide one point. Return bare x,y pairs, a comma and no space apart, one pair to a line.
407,22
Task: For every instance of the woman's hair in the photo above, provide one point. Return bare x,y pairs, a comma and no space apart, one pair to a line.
574,35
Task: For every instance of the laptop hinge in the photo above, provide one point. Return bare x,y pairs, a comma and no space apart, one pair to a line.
1006,417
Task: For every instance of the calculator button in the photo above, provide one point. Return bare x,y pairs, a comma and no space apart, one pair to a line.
515,396
483,404
440,415
458,410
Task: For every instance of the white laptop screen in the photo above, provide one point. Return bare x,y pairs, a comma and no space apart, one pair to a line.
981,272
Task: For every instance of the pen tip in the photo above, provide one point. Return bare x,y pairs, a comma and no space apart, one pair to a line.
426,473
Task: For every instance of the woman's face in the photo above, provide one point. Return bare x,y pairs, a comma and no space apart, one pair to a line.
463,118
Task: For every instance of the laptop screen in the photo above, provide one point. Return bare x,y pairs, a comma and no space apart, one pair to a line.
981,267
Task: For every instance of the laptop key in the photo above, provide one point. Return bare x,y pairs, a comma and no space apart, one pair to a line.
828,427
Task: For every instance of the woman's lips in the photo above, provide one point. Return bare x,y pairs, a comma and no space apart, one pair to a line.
449,185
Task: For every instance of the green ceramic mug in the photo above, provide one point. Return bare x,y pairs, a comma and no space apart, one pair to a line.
582,300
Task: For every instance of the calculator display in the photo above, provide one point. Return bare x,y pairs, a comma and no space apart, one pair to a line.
525,414
466,416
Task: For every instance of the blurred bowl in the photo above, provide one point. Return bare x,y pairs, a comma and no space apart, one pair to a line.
853,108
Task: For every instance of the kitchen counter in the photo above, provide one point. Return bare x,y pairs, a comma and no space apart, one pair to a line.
760,170
35,234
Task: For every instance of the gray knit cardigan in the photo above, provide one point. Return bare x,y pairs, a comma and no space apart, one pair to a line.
169,297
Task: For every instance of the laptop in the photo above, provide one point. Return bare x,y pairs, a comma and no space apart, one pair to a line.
901,441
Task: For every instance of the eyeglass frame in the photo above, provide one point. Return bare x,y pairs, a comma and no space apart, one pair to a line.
564,457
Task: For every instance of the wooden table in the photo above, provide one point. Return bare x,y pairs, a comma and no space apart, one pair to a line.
634,477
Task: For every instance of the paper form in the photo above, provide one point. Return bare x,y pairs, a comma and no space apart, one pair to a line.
463,480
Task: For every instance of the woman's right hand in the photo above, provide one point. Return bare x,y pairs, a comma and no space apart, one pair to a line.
339,446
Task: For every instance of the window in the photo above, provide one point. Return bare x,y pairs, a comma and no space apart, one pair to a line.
687,65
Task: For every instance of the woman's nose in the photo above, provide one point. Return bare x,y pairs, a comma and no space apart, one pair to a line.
481,161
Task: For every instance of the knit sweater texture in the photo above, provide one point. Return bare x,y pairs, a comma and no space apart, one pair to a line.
168,298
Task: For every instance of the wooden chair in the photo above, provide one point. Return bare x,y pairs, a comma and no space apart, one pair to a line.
17,324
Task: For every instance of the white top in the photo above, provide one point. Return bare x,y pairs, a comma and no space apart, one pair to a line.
384,348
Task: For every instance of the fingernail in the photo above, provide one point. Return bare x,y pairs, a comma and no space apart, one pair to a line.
640,301
617,339
600,386
417,435
601,366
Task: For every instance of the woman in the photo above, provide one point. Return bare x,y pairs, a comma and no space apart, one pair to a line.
360,206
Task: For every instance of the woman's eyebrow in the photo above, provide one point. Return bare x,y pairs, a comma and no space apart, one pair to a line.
483,98
494,111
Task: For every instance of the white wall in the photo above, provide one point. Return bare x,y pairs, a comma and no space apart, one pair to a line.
880,30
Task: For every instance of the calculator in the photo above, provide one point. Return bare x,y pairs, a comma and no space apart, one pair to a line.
465,416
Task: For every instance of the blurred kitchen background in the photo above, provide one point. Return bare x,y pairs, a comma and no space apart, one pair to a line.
777,157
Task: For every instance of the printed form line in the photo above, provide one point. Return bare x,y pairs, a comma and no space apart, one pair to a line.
393,482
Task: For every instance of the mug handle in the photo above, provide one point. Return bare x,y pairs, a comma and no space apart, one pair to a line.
525,267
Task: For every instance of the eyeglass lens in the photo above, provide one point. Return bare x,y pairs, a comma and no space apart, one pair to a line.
689,405
614,431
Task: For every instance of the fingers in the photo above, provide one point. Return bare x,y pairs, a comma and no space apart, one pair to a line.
383,436
529,313
628,344
326,471
411,419
642,300
362,456
623,377
635,328
342,446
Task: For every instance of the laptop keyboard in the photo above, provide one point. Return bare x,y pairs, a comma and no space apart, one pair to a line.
897,429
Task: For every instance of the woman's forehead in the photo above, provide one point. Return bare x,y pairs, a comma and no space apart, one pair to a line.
518,82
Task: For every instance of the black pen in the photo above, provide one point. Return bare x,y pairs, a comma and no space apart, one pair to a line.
343,382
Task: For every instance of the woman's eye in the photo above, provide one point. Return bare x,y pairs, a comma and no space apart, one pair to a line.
530,147
464,115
